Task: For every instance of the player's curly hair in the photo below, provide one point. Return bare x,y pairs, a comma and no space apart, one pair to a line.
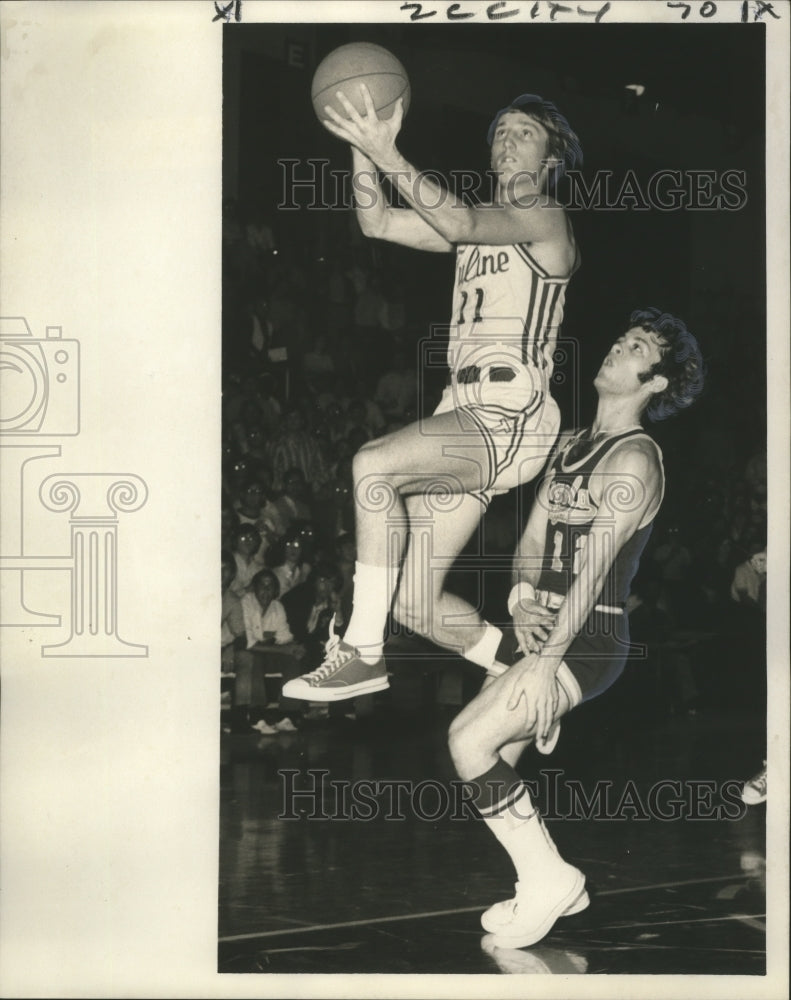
681,363
564,144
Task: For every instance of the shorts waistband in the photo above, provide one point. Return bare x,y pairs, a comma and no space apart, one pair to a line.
552,600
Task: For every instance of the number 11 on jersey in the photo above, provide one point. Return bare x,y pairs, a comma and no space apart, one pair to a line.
476,318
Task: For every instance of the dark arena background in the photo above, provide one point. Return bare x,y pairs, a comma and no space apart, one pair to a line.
330,338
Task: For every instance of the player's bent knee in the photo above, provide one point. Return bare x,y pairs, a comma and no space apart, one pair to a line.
466,748
377,473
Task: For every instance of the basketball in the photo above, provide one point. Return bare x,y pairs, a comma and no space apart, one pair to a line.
346,67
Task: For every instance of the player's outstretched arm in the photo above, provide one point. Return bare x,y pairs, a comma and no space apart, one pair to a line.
381,221
531,218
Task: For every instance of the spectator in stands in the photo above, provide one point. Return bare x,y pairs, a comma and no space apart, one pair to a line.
749,579
264,618
357,421
293,570
232,633
294,447
270,648
251,500
307,533
232,630
235,476
250,507
246,545
294,504
311,606
257,451
334,421
336,512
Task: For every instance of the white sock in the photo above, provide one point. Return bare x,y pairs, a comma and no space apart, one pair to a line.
519,829
374,587
484,651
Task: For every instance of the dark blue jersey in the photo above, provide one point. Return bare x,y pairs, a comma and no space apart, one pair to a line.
571,513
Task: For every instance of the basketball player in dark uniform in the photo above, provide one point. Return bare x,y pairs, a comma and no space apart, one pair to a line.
573,567
496,422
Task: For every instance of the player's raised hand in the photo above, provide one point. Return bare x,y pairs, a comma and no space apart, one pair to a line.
373,136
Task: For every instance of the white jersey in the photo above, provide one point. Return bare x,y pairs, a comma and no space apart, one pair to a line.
507,309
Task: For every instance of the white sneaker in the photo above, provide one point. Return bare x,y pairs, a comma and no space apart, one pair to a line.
285,726
530,916
500,915
264,728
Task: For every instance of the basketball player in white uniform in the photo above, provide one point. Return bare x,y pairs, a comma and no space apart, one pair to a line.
497,422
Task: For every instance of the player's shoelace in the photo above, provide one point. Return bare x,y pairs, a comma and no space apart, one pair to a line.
333,658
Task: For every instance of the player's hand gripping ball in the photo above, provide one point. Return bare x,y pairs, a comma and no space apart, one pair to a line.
346,67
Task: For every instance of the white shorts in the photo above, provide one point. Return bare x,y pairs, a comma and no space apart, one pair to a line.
518,420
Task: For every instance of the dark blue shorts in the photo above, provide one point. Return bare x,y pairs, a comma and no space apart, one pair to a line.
596,657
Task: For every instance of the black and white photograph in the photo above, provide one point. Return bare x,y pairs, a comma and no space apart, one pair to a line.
437,353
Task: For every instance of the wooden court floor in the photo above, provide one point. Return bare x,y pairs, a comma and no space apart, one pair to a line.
343,850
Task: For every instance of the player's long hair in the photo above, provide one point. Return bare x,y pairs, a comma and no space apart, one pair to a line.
681,363
564,145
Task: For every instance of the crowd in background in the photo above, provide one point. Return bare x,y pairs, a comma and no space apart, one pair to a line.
321,353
